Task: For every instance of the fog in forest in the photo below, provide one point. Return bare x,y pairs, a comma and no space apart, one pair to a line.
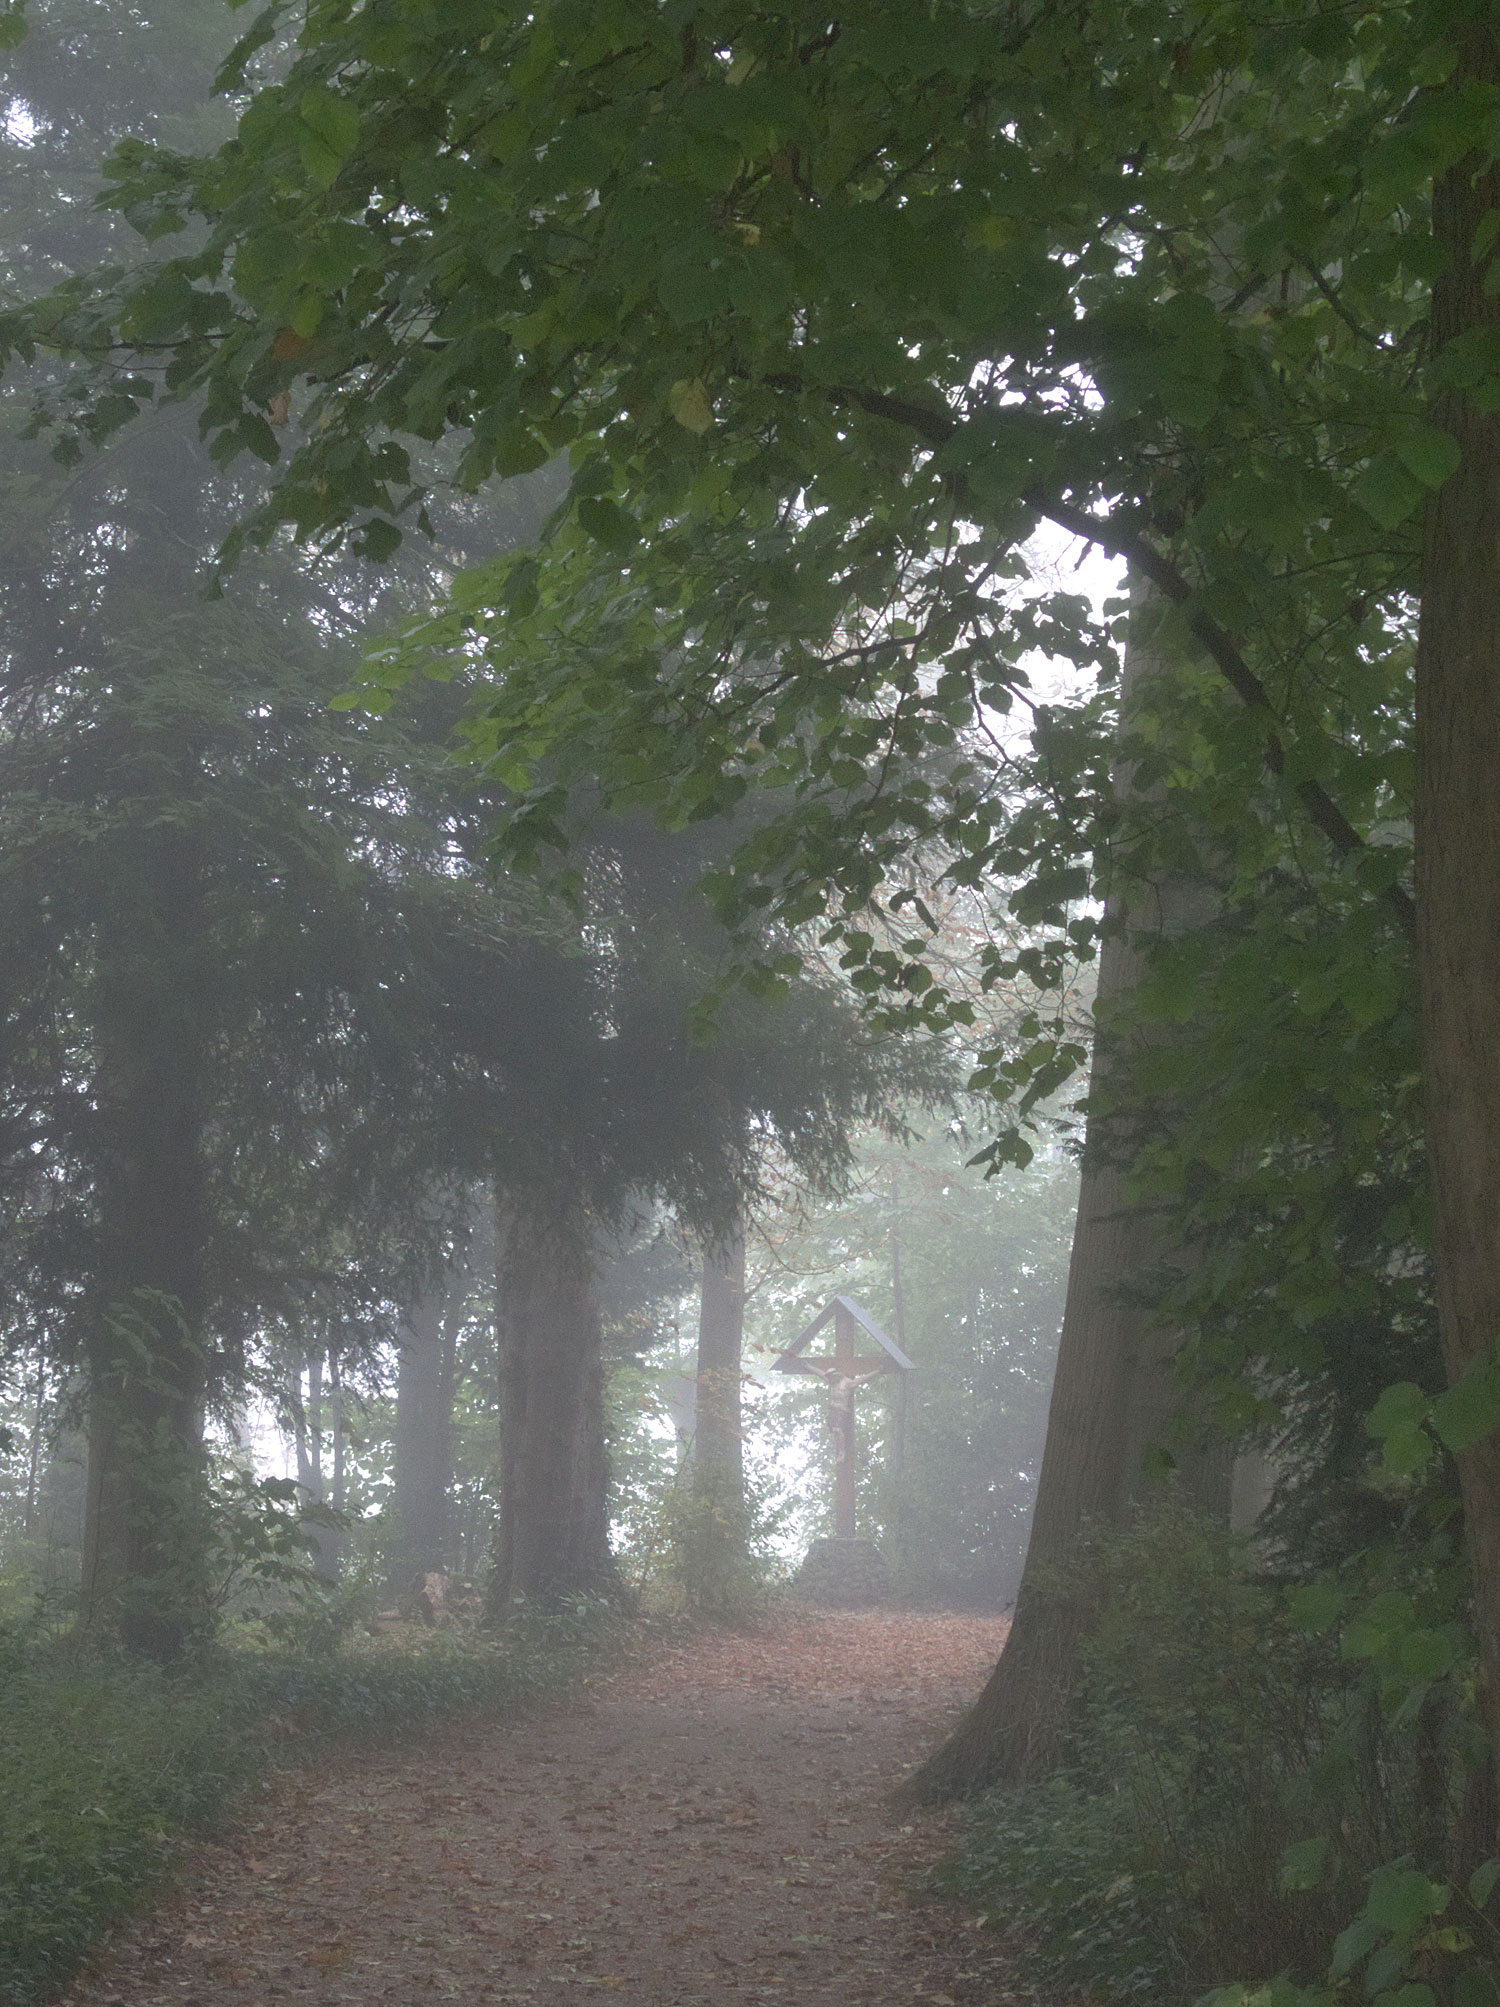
750,899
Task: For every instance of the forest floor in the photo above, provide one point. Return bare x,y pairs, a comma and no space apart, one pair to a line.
705,1824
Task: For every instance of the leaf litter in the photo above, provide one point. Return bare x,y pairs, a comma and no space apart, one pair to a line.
707,1824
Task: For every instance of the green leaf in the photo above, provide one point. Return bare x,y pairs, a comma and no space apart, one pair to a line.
1400,1407
1316,1605
307,315
1482,1883
1407,1451
519,451
1429,453
689,403
473,587
1397,1420
1426,1655
1388,491
1469,1412
320,162
686,292
331,119
379,540
607,523
522,588
1402,1899
1302,1864
1353,1944
1376,1631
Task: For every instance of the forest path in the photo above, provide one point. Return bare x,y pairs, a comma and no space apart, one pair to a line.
703,1826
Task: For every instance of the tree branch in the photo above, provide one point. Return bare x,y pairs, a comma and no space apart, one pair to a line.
936,427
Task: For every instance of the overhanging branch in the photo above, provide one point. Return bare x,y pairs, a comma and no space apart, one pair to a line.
937,427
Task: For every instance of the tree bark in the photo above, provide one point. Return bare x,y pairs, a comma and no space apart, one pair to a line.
34,1449
339,1492
900,1401
308,1429
309,1477
424,1430
718,1439
1012,1729
145,1529
1458,857
718,1444
1111,1394
553,1535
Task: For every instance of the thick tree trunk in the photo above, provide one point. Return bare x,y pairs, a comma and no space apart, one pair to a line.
1458,859
553,1533
1110,1397
1012,1729
719,1530
145,1530
424,1431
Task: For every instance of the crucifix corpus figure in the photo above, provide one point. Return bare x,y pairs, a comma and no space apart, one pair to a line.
843,1375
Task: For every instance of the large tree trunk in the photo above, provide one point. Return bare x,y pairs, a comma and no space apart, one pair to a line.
553,1533
1012,1729
425,1382
719,1531
1112,1391
145,1531
1458,859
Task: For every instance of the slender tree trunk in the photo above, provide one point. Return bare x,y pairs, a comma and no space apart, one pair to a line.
424,1430
311,1475
339,1491
325,1538
1110,1396
336,1417
1458,858
307,1475
34,1452
718,1532
900,1398
719,1450
315,1423
553,1533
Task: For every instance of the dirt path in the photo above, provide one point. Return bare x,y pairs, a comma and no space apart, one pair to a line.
701,1828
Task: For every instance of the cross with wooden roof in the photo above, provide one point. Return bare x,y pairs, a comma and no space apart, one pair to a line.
844,1373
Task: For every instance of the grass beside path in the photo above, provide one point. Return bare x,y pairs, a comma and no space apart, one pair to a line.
107,1765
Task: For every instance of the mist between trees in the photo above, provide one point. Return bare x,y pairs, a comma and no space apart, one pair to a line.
552,818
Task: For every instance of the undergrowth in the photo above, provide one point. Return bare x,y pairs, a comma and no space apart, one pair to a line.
1209,1742
109,1764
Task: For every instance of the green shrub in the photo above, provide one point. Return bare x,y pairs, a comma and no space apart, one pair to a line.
694,1554
103,1765
108,1763
1209,1738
